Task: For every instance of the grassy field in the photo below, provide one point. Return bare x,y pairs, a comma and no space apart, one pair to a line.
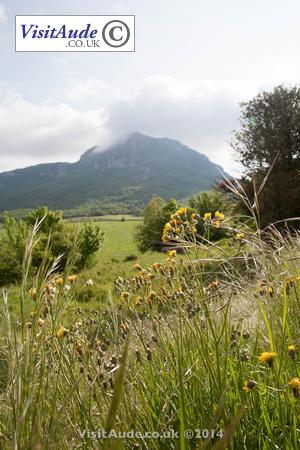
203,354
111,218
116,258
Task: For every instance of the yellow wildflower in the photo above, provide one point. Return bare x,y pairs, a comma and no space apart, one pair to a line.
181,211
172,253
240,236
207,216
166,230
249,385
138,301
59,281
195,216
268,357
219,215
168,227
270,290
174,222
295,385
61,332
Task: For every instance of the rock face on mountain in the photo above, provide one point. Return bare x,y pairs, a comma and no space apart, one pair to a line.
130,172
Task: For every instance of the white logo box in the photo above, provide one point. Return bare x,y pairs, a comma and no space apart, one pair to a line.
50,33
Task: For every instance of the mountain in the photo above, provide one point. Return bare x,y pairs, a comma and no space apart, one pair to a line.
121,179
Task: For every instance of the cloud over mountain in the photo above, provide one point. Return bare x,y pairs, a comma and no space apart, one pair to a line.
91,113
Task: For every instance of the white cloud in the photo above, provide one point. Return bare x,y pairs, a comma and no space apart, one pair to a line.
31,133
2,14
79,90
200,115
88,94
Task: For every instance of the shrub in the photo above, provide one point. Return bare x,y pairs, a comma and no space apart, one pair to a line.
155,215
208,202
90,241
55,239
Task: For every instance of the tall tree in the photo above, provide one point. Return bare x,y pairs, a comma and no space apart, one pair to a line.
270,131
156,214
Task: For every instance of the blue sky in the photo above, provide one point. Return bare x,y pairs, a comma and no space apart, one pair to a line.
194,62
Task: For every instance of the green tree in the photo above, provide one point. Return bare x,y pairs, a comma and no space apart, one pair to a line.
270,133
209,202
90,241
156,214
12,244
50,221
54,238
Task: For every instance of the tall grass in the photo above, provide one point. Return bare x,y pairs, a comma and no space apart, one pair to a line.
190,370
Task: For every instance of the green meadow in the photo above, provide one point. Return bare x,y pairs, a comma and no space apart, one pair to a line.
156,351
119,252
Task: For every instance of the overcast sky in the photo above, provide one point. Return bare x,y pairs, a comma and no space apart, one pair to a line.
194,62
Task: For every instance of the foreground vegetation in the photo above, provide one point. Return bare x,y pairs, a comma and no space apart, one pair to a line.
203,345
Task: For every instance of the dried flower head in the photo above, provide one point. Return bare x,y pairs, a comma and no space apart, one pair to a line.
40,322
156,266
124,295
292,351
32,293
72,279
